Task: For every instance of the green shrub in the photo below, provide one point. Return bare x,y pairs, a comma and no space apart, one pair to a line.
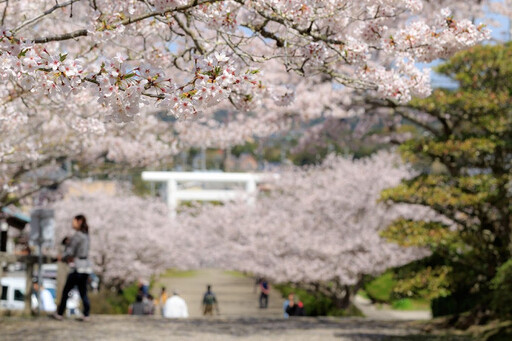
113,302
381,288
316,304
502,290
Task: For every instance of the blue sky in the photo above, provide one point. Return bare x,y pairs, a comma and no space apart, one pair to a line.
500,32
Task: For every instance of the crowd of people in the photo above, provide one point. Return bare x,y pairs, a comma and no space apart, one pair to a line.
170,307
291,307
176,307
76,254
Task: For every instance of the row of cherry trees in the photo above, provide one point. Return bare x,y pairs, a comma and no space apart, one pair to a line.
81,80
189,55
316,227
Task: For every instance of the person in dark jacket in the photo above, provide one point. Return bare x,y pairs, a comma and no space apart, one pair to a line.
76,255
210,301
295,307
265,290
139,307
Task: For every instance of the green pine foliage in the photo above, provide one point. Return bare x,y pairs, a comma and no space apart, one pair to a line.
502,290
469,138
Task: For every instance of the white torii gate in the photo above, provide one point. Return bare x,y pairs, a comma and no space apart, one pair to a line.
174,195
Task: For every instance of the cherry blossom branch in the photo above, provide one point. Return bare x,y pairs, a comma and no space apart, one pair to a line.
4,13
45,13
191,34
18,198
302,31
61,37
128,21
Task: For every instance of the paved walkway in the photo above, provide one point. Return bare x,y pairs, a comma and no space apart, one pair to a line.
240,319
237,297
125,327
235,294
372,312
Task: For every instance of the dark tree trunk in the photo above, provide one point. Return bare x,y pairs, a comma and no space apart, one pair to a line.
342,300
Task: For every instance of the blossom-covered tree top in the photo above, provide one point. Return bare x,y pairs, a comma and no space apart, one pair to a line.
187,55
130,236
316,224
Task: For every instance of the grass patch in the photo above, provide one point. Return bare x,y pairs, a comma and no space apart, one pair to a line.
363,294
174,273
410,304
235,273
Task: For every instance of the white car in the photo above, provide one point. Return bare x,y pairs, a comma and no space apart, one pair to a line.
13,292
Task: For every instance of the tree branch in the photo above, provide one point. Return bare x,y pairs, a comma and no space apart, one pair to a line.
128,21
45,13
4,13
65,36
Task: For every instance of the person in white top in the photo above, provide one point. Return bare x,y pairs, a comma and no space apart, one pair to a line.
175,307
47,302
73,303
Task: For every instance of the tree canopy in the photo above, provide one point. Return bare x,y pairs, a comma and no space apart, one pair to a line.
468,131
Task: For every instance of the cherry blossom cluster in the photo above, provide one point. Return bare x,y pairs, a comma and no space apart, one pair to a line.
130,236
162,5
120,87
316,224
211,49
79,73
282,106
312,225
85,144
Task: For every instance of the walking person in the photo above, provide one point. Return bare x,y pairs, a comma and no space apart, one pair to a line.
175,307
265,291
162,300
77,256
209,301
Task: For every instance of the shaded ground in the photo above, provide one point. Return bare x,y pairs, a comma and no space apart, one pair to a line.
240,319
123,327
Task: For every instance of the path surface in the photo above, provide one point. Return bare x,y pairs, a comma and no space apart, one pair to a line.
125,327
373,313
235,294
240,319
237,297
